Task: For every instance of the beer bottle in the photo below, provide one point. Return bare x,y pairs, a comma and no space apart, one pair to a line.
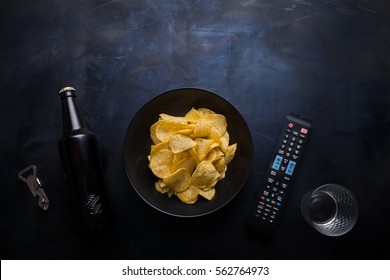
82,168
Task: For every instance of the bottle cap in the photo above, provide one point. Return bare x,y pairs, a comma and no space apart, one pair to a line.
66,89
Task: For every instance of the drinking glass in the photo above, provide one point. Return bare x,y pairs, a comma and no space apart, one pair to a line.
331,209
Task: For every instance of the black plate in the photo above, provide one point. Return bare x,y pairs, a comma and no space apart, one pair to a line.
137,147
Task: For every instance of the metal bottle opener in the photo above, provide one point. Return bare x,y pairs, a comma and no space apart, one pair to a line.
34,185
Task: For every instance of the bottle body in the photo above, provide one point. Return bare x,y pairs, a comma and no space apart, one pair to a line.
80,159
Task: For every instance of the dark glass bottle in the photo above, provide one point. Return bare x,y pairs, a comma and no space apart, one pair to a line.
81,163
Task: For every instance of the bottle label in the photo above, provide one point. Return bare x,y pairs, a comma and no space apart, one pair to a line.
93,204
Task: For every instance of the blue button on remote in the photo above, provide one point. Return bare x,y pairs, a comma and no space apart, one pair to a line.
290,167
277,162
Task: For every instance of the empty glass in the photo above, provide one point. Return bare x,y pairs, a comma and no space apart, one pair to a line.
331,209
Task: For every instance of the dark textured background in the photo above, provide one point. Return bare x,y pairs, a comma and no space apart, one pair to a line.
327,60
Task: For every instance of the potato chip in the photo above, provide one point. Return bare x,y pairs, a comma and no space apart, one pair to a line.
153,135
211,155
166,129
171,118
205,111
158,147
161,186
160,163
218,125
210,184
203,146
190,154
192,116
202,128
230,152
180,143
178,181
204,174
224,141
209,194
189,196
183,160
220,164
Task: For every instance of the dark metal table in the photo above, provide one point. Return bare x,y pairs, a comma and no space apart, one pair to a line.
326,60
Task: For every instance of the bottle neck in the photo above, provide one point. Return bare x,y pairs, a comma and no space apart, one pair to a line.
71,115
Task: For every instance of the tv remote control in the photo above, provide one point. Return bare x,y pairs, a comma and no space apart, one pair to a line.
267,209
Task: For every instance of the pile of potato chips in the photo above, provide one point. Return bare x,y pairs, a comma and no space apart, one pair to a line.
190,154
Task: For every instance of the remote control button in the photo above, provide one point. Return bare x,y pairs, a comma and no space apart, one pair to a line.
290,167
290,125
295,133
295,157
284,185
277,162
284,141
281,152
273,173
288,131
300,141
304,130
